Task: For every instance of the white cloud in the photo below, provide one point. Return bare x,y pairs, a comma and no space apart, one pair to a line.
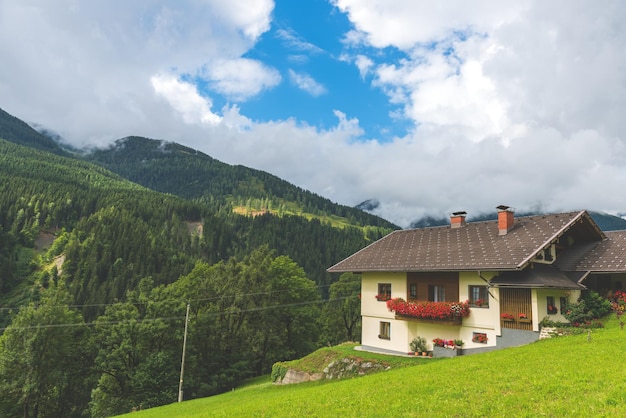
403,24
184,98
84,69
241,78
307,83
364,64
293,40
252,17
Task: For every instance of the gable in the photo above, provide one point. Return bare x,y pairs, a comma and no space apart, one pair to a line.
606,256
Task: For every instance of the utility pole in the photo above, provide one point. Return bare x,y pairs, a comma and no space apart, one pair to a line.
182,363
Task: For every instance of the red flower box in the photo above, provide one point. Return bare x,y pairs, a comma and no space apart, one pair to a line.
429,310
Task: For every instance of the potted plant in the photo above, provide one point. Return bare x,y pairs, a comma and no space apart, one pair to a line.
443,348
418,345
507,317
522,317
552,309
438,342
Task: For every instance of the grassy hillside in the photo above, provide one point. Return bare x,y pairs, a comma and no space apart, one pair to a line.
565,376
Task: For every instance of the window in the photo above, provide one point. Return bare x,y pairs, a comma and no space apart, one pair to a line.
563,303
384,291
551,307
479,337
436,293
385,331
479,296
412,290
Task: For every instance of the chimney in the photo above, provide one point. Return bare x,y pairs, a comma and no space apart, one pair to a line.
506,219
457,219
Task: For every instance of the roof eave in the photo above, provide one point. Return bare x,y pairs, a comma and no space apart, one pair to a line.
539,286
583,213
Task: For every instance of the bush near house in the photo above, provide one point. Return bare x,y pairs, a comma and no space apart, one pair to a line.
589,306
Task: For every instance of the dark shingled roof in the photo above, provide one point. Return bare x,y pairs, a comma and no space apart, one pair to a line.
475,246
607,256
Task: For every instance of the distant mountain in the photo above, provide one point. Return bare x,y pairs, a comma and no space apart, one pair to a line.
605,221
368,205
173,168
608,222
17,131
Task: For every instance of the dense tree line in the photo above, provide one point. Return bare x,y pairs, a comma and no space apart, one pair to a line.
245,314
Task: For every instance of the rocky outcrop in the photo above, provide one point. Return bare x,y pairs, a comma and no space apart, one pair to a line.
296,376
338,369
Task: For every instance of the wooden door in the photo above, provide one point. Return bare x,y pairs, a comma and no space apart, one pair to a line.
516,302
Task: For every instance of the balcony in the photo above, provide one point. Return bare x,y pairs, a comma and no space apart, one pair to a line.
442,313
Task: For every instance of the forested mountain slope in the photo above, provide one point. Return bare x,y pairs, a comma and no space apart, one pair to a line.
46,192
114,232
176,169
100,219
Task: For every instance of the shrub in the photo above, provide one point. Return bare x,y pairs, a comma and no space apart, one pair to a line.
279,370
619,303
418,344
597,305
590,306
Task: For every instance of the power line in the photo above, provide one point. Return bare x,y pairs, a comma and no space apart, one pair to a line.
209,314
100,305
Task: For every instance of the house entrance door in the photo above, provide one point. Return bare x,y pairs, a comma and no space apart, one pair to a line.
518,303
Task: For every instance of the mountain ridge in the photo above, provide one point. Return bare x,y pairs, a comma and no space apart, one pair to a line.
165,166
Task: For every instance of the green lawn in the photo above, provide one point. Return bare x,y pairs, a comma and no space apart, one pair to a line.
565,376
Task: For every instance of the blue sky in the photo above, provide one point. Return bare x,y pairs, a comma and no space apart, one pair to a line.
428,107
305,45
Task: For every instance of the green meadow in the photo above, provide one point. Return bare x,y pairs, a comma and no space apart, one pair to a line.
576,375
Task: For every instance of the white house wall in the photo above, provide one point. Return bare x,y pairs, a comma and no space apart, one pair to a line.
542,303
485,320
374,311
482,320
